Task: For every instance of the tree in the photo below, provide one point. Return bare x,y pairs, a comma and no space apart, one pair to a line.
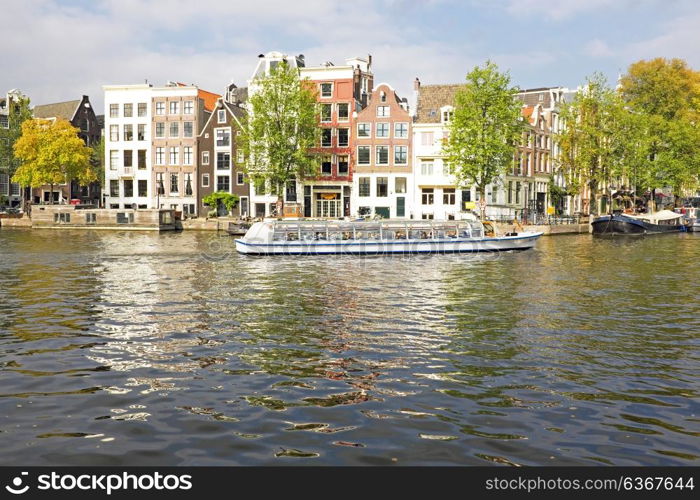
221,197
667,92
279,134
52,153
484,130
97,158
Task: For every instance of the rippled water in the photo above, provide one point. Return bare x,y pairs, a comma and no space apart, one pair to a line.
141,349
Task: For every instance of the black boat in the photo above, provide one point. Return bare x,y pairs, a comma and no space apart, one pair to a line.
664,221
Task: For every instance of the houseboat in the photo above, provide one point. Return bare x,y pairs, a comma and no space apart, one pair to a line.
664,221
377,237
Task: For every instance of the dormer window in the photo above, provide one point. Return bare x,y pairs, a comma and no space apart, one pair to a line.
382,96
446,114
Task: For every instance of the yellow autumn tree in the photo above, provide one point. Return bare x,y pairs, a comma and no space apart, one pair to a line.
51,153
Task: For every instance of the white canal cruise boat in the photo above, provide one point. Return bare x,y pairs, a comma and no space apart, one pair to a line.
377,237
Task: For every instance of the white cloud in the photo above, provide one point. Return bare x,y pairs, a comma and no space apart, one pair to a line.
598,48
563,9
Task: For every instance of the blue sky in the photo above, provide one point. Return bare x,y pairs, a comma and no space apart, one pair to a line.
58,50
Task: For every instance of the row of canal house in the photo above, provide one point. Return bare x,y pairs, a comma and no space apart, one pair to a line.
170,146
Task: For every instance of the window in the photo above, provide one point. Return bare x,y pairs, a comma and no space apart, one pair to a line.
447,115
188,184
174,130
382,96
448,196
128,132
160,130
205,157
364,187
517,193
326,90
124,218
427,138
240,178
400,155
291,191
143,188
160,108
426,167
364,130
342,165
326,137
4,184
223,137
326,112
343,137
128,159
141,132
205,180
160,156
400,186
128,110
326,165
141,109
383,111
401,130
114,133
382,130
114,188
494,194
223,183
343,112
114,110
174,156
221,116
141,159
240,157
61,217
223,161
382,155
113,159
187,155
128,188
382,187
90,218
187,129
510,192
188,107
174,108
427,196
363,155
174,181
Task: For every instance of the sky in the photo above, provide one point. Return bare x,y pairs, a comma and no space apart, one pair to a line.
58,50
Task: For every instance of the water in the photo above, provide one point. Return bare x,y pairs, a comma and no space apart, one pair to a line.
145,349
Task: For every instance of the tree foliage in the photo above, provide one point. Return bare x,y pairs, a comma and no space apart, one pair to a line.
667,92
603,143
52,153
19,112
281,130
485,128
230,201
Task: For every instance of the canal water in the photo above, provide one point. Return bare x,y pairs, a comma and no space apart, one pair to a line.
125,348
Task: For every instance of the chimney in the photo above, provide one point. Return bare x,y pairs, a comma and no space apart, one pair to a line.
416,84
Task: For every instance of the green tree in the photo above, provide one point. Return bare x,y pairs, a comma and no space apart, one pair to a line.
484,130
97,158
52,153
221,197
281,131
668,93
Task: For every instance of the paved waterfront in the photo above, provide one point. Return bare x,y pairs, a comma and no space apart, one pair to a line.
140,349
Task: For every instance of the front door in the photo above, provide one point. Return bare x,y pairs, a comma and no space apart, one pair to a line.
400,206
328,205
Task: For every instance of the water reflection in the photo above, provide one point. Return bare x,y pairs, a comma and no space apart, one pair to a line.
139,348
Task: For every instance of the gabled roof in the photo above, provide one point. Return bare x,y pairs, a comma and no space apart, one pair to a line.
433,97
209,98
65,110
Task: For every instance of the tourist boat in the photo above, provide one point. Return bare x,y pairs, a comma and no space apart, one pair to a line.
664,221
377,237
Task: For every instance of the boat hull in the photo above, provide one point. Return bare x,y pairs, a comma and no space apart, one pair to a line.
506,243
619,224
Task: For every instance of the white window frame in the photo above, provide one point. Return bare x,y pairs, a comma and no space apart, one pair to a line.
187,155
186,105
387,125
405,162
376,153
369,130
160,150
387,109
205,157
320,90
221,116
397,136
174,105
160,108
342,120
170,130
205,177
